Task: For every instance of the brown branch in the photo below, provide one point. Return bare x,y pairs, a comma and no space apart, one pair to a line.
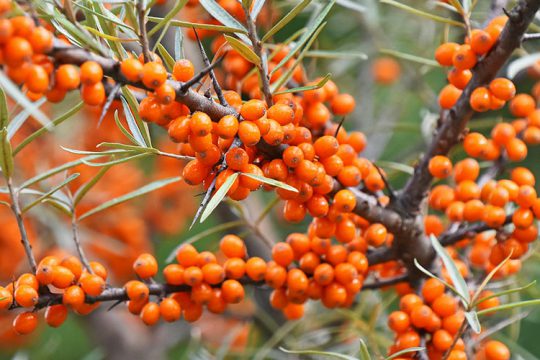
451,237
143,37
377,284
78,246
454,121
261,53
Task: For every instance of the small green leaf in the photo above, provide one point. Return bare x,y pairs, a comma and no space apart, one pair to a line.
395,166
212,27
218,196
109,37
116,161
327,354
410,57
472,319
318,85
243,49
505,292
257,7
4,116
326,54
272,182
170,14
405,351
167,58
488,278
123,129
50,192
424,14
224,17
68,115
453,272
6,154
509,306
141,191
286,19
85,188
18,121
138,128
88,152
178,44
364,351
127,147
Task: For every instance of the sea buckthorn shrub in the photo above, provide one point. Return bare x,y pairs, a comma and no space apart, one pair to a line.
419,258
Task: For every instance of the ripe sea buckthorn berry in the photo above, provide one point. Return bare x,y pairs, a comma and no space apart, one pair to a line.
228,127
91,73
526,196
28,279
442,340
345,273
154,75
407,340
200,124
376,234
17,50
326,146
253,110
235,268
183,70
278,299
334,295
480,99
496,350
464,58
193,275
170,310
41,40
55,315
502,88
432,289
398,321
317,206
459,78
62,277
440,166
6,30
448,96
145,266
236,158
179,129
293,311
350,176
345,201
92,284
445,53
137,290
150,314
420,316
213,273
67,77
249,133
195,172
256,268
174,274
342,104
408,302
293,156
282,254
74,265
37,80
475,144
481,41
282,113
502,133
522,105
232,291
248,182
444,305
25,323
93,94
132,69
26,296
165,93
6,298
73,296
385,70
336,254
232,246
216,304
516,149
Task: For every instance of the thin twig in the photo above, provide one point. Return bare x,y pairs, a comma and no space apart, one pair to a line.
377,284
15,207
188,84
143,37
460,332
261,53
78,246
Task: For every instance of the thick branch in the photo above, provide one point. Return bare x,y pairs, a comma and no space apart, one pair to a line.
455,120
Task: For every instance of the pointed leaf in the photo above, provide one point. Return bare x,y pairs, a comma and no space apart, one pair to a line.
6,155
213,27
421,13
135,120
326,54
116,161
244,50
488,278
85,188
4,116
505,292
178,44
405,351
170,14
132,122
272,182
353,5
224,17
218,196
364,352
318,85
167,58
18,121
410,57
472,319
286,19
50,192
123,129
327,354
257,7
141,191
509,306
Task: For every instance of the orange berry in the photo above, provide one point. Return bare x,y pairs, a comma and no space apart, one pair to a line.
445,53
154,75
145,266
464,58
232,246
55,315
249,133
398,321
516,149
16,51
67,77
228,127
481,41
170,310
496,350
92,284
232,291
91,72
282,113
253,110
502,88
150,314
326,146
94,94
73,296
193,276
459,78
183,70
132,69
256,268
448,96
480,99
41,40
386,70
137,290
444,305
420,316
342,104
440,166
213,273
26,296
25,323
522,105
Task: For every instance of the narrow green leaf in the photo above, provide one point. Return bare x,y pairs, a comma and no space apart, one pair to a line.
123,129
138,128
396,166
4,116
178,44
50,192
472,319
86,187
218,196
6,154
286,19
127,147
18,121
487,279
326,54
430,274
213,27
329,354
56,170
107,15
318,85
224,17
141,191
272,182
257,7
116,161
353,5
243,49
505,292
405,351
364,352
410,57
453,272
314,26
88,152
68,115
109,37
509,306
170,14
421,13
167,58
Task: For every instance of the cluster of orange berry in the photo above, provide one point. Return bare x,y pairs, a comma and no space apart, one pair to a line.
437,315
463,57
66,277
